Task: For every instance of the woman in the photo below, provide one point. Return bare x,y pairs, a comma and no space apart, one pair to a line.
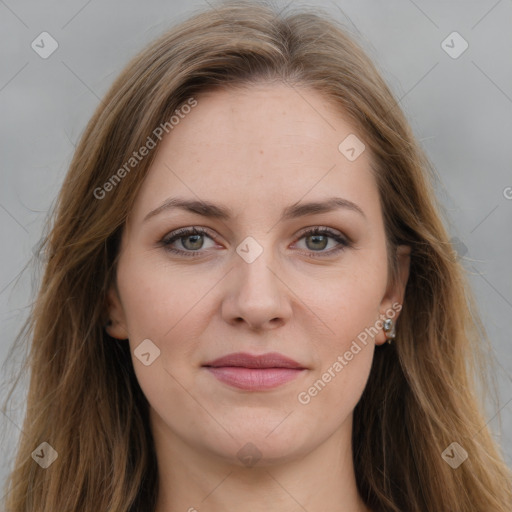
249,300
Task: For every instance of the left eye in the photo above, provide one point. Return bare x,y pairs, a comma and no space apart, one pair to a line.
319,238
192,239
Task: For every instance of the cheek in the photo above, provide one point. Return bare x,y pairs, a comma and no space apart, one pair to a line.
347,301
344,352
345,355
329,399
156,297
349,308
164,305
159,305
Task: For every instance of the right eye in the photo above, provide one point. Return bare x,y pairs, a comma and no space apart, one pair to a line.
191,239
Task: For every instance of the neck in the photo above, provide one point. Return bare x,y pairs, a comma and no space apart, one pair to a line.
195,481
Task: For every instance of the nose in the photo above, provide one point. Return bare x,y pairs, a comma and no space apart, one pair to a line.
257,294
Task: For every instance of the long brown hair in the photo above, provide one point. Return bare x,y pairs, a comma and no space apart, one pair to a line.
425,391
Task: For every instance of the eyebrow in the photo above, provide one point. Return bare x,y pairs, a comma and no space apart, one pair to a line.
215,211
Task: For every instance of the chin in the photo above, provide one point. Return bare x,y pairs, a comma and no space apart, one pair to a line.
261,447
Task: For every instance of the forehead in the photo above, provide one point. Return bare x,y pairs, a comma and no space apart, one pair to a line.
262,145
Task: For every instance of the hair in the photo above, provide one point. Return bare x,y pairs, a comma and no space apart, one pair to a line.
425,391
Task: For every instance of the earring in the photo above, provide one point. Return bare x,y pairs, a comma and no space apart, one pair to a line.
389,329
109,323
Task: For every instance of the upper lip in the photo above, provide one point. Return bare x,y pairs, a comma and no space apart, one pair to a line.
242,359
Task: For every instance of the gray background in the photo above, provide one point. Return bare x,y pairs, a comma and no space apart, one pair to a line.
460,109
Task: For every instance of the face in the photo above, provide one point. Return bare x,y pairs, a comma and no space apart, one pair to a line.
255,278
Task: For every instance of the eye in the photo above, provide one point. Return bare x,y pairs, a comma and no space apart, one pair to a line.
317,240
190,238
192,241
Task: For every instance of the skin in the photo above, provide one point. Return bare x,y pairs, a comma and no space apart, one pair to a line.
255,150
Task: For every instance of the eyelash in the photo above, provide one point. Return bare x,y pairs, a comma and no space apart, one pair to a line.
184,232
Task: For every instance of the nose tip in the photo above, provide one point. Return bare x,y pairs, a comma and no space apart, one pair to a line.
258,295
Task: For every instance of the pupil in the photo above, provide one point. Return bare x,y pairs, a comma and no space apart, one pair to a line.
316,237
198,238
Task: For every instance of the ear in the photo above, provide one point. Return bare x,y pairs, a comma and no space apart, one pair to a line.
395,292
117,327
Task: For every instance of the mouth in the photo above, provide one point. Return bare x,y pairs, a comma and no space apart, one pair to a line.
254,373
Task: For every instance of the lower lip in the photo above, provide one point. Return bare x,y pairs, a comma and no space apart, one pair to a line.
254,379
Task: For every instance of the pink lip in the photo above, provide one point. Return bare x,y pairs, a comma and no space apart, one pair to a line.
254,373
